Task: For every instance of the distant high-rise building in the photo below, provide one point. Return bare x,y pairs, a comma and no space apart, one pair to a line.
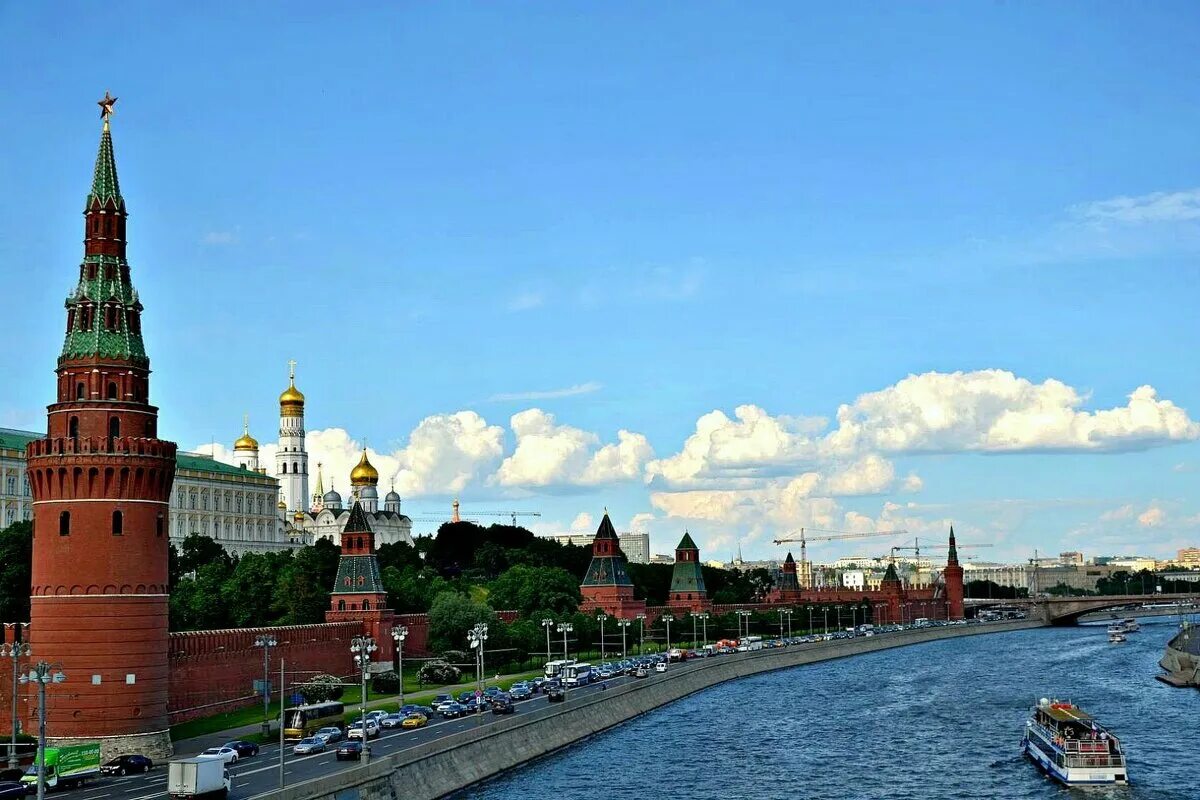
1071,558
1188,557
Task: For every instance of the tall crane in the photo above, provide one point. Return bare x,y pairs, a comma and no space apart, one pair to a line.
511,514
831,536
916,548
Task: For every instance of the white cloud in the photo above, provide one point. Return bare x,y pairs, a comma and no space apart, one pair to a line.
869,475
526,301
912,483
549,454
550,394
219,238
1116,514
1152,517
994,411
640,522
583,522
1147,208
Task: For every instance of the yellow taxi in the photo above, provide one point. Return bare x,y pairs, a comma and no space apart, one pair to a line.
414,720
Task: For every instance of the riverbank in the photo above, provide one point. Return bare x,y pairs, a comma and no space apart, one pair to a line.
446,765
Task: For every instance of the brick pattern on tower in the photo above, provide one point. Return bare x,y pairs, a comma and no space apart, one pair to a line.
101,482
358,594
687,579
606,585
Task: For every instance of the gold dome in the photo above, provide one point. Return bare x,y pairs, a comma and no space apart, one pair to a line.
298,516
282,506
364,474
291,402
247,442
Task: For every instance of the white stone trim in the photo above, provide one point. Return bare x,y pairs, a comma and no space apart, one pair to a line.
103,500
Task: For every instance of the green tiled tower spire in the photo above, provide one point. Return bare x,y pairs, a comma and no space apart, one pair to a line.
608,562
686,577
103,311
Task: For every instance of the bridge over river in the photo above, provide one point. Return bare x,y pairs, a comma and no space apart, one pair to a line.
1068,610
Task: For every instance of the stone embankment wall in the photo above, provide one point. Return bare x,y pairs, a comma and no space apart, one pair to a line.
446,765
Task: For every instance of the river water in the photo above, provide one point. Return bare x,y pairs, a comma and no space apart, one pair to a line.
938,720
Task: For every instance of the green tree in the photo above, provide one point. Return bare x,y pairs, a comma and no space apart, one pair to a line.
196,603
412,590
198,550
302,590
249,590
450,617
321,688
16,571
530,589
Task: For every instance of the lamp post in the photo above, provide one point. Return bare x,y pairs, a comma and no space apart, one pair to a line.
641,618
399,634
825,613
266,643
16,651
600,618
624,625
547,624
787,612
744,614
42,674
564,628
810,627
668,618
704,626
475,638
362,647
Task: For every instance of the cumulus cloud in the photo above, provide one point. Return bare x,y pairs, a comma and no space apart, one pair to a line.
1152,517
550,454
583,522
1179,206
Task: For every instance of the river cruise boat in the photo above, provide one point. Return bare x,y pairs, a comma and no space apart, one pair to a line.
1071,747
1130,625
1116,634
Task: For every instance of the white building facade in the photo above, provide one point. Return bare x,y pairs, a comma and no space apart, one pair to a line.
16,501
291,460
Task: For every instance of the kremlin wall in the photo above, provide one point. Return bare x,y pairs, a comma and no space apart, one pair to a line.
101,483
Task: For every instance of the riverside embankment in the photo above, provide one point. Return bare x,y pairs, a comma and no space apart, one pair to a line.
445,765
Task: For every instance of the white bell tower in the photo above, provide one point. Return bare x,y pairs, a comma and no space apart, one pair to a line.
291,461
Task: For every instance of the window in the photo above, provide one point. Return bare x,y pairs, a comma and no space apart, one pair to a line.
114,427
64,523
159,523
341,605
79,391
11,482
296,467
284,468
118,523
73,428
112,390
192,500
366,605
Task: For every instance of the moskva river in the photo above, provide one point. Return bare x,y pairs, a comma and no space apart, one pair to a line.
939,720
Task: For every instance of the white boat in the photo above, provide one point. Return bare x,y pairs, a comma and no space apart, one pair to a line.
1071,747
1130,625
1116,634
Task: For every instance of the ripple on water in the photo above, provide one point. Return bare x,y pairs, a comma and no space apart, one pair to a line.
941,720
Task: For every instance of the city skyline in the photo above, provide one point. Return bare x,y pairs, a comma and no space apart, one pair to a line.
801,325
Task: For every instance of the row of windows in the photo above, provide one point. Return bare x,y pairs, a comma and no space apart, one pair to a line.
199,500
296,470
258,532
10,485
118,524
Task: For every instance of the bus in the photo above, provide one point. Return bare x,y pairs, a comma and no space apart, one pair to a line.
554,669
578,674
750,643
300,722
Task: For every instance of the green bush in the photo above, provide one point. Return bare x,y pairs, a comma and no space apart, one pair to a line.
438,673
385,683
321,688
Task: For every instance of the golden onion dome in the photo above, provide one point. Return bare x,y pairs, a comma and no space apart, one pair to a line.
364,474
247,442
282,506
298,516
291,402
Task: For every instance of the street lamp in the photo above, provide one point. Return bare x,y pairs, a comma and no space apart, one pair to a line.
42,674
564,628
547,624
16,651
475,638
668,618
399,634
266,643
744,614
623,624
704,626
810,627
825,613
600,618
362,647
787,612
641,618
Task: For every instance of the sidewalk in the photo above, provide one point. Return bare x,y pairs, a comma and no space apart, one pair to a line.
189,747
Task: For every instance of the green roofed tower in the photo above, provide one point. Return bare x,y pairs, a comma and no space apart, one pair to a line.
687,579
358,594
606,585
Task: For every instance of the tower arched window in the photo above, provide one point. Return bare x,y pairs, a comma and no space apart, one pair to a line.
114,427
79,390
73,427
284,468
341,605
366,605
159,523
70,319
118,523
64,523
112,390
296,467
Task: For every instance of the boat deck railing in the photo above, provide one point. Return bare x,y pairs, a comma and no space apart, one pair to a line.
1081,752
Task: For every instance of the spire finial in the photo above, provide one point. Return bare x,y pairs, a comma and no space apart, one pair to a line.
246,423
292,371
106,107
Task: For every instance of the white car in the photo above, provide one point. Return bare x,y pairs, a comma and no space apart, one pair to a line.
356,730
224,754
377,714
661,666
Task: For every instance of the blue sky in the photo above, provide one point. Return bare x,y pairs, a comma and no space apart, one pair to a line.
495,236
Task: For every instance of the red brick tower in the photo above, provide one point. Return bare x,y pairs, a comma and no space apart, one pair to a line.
952,576
891,589
101,481
358,593
606,585
687,580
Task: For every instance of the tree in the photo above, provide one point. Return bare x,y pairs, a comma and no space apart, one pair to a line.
321,688
198,550
385,682
411,590
16,571
438,673
302,591
451,616
398,555
249,591
530,589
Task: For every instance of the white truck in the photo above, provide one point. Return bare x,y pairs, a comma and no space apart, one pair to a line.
197,778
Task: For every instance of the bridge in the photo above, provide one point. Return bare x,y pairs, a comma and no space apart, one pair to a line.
1068,610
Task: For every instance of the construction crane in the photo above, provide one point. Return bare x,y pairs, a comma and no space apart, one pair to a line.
831,536
511,514
916,548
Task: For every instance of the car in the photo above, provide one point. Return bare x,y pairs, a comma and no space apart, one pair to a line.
356,730
474,706
244,749
463,697
452,710
11,775
126,765
520,691
349,751
413,708
606,673
225,754
555,694
312,744
492,691
503,707
414,720
11,790
377,714
660,666
330,734
537,684
391,721
642,671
